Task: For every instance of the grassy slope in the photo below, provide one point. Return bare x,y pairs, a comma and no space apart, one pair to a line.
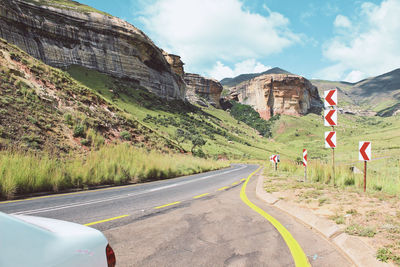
233,139
41,107
293,134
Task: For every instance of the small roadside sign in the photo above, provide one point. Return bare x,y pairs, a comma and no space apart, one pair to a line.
330,98
330,117
364,151
305,157
330,139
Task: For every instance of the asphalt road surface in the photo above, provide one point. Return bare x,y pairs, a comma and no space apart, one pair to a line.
197,220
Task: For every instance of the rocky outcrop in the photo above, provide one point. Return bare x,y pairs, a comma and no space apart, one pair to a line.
64,36
176,63
206,88
272,94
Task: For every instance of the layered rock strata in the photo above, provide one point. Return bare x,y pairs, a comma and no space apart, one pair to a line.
272,94
64,36
206,88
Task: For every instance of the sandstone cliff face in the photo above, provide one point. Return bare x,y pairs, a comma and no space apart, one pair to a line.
62,37
176,63
209,89
272,94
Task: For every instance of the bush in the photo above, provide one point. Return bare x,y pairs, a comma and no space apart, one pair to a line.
79,131
126,135
248,115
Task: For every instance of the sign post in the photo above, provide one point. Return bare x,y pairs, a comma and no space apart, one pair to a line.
364,155
330,119
305,164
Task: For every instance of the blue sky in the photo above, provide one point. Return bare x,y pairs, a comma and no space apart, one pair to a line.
335,40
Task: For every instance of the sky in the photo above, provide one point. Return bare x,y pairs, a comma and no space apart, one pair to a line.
333,40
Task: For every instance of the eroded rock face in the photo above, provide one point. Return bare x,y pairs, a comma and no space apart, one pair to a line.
209,89
176,63
62,37
272,94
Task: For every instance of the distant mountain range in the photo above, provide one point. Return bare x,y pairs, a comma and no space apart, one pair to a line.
380,94
229,82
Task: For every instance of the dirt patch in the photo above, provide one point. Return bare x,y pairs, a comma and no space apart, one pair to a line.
373,217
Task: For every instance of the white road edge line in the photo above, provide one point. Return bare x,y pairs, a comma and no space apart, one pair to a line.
54,208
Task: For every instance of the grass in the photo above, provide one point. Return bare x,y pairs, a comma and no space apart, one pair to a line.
24,173
356,229
225,136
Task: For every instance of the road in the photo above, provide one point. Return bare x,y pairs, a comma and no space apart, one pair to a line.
198,220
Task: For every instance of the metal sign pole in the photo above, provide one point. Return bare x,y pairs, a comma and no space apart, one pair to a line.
333,161
365,175
305,173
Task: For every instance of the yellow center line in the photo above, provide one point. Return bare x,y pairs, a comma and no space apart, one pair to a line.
300,259
202,195
66,194
166,205
223,188
107,220
235,183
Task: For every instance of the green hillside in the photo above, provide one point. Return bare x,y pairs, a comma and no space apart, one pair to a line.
225,136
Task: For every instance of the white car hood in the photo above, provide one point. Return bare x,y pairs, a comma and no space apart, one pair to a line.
35,241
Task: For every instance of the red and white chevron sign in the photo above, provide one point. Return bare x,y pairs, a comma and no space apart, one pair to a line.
330,117
305,157
330,139
274,158
330,98
364,151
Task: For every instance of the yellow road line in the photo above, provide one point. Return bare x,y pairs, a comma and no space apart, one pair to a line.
67,194
166,205
235,183
223,188
202,195
300,259
107,220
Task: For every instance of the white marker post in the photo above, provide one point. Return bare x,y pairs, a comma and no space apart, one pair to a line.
305,164
364,154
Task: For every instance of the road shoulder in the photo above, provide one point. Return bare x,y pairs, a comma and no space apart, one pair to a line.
360,253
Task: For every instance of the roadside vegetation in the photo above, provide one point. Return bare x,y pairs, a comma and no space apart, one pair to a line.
116,164
373,216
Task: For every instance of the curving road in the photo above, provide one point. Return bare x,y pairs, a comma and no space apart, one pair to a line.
197,220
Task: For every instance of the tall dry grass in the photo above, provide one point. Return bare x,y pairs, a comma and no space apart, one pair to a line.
382,175
22,173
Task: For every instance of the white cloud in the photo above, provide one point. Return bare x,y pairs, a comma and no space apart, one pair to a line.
220,71
203,32
355,76
342,21
371,47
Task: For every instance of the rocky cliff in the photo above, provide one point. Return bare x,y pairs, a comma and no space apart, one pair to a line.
64,35
272,94
207,88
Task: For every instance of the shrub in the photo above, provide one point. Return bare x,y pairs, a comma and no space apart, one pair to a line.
79,131
125,135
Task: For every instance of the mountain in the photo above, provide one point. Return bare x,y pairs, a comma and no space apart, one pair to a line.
230,82
272,94
44,108
65,33
379,95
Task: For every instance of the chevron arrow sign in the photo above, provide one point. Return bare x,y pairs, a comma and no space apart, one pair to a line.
330,98
330,139
364,151
330,117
